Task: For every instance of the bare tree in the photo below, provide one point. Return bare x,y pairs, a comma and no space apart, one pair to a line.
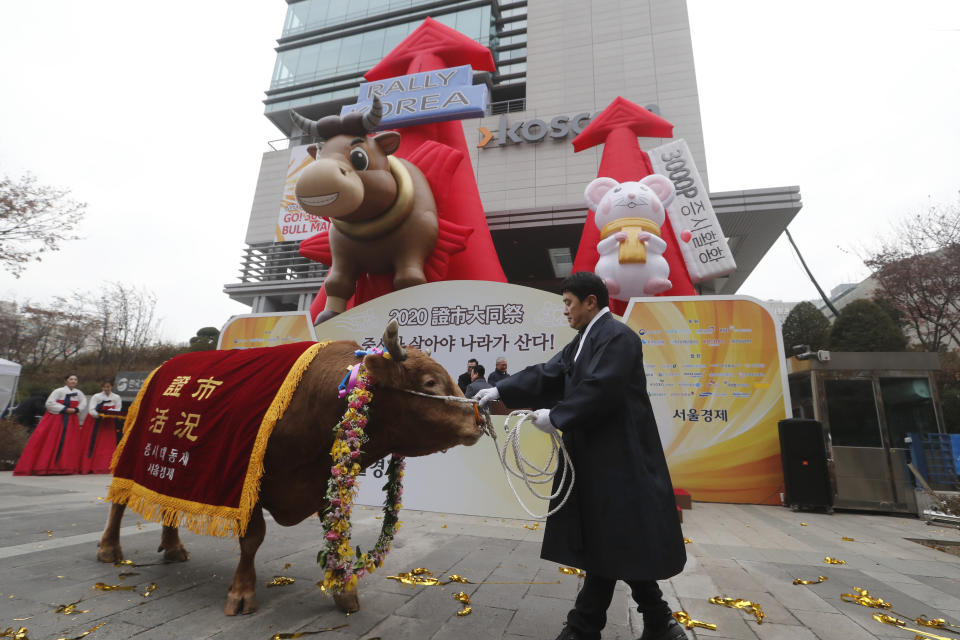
918,268
125,321
34,219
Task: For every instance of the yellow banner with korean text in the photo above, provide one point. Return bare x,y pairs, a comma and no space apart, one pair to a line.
252,330
716,379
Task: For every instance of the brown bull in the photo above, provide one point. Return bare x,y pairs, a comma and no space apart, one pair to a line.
297,461
382,210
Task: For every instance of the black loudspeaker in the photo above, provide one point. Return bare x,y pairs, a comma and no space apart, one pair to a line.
806,467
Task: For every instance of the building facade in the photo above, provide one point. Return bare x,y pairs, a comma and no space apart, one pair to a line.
559,62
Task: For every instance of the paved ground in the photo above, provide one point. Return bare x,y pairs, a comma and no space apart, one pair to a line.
49,528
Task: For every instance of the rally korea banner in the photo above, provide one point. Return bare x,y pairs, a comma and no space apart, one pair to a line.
293,223
458,320
698,233
716,379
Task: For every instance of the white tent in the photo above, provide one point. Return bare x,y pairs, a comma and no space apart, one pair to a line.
9,376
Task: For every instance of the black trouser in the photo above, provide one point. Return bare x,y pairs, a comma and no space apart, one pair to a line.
589,614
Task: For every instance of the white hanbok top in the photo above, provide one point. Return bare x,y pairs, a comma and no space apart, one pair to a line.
114,403
53,406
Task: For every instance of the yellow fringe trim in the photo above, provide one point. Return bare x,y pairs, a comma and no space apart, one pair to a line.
201,518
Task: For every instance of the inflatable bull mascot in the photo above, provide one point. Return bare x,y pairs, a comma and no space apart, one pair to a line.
382,210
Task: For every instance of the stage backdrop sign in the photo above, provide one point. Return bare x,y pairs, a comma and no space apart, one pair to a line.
458,320
266,330
716,379
293,223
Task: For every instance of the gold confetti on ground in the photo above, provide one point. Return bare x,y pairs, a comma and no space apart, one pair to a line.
443,526
532,527
287,566
49,533
127,574
687,541
571,571
902,624
803,524
100,498
121,563
456,577
85,633
863,598
280,581
846,539
22,619
102,586
16,634
829,560
150,589
300,634
684,618
463,598
139,526
419,576
817,581
67,609
739,603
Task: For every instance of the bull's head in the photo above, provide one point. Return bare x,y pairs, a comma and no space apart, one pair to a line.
351,176
417,425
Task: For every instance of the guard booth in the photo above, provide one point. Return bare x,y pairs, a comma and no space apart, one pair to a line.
868,402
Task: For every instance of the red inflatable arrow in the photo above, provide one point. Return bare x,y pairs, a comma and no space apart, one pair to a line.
617,127
431,46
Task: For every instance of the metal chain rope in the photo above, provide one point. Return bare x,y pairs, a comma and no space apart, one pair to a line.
523,468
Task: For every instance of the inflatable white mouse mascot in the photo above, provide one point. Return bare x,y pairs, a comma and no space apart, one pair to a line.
629,216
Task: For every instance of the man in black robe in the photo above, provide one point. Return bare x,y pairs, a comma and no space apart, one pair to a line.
620,522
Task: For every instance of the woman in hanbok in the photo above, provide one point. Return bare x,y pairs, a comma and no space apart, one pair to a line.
99,430
54,447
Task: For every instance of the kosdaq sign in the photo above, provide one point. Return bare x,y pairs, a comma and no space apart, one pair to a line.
698,233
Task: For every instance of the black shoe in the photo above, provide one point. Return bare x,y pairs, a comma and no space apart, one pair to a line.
569,633
673,631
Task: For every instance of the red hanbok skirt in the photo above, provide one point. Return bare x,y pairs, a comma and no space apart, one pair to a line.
53,449
99,440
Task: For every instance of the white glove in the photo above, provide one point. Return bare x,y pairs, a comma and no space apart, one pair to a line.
486,396
541,420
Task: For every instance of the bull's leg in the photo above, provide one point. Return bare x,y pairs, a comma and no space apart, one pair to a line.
108,549
347,600
173,549
242,597
341,283
408,275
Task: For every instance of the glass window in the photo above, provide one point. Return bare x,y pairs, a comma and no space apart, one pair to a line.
908,407
852,413
371,48
349,52
801,397
392,36
327,57
297,15
286,67
337,10
470,23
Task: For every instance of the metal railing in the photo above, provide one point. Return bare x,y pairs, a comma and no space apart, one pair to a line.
278,262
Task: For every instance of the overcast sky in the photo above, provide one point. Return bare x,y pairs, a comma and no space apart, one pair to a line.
152,113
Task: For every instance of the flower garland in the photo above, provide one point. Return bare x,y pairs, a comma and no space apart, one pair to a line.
342,566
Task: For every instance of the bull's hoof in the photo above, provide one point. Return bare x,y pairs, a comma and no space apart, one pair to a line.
347,601
324,316
109,553
240,602
174,554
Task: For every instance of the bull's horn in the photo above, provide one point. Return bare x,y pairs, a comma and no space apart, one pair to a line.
305,125
371,120
391,340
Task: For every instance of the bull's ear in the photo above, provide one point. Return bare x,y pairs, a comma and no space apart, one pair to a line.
383,370
388,141
312,150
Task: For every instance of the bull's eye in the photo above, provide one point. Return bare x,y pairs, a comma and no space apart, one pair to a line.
359,159
430,384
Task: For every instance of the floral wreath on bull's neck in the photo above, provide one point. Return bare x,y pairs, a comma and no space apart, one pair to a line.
342,565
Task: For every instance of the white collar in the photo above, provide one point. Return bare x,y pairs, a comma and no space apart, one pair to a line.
587,330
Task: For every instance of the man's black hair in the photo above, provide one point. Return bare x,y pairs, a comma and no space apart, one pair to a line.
480,371
473,360
585,283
